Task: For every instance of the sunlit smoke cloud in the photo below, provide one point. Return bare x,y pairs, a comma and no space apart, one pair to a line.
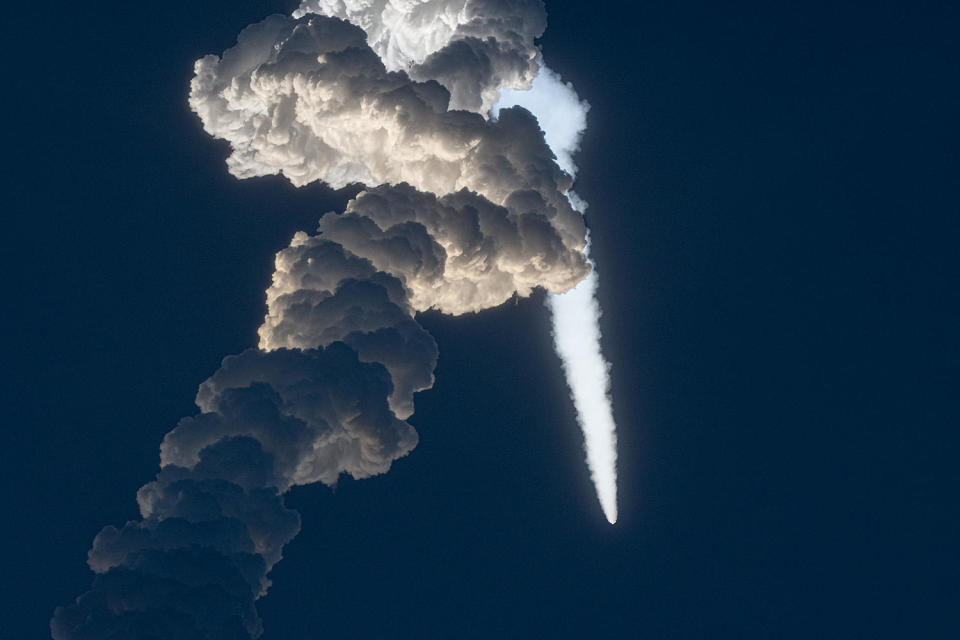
575,315
474,48
459,214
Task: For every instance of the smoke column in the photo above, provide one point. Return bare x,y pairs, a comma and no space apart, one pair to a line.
460,213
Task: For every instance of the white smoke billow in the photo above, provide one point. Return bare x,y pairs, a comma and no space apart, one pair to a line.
474,48
465,206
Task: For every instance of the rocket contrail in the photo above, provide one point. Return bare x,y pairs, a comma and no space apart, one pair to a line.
576,336
460,213
576,313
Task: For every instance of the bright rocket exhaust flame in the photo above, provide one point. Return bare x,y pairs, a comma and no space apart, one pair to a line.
576,337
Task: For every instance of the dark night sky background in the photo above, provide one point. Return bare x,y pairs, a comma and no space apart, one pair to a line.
772,191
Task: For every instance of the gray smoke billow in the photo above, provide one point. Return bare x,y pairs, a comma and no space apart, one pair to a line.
461,212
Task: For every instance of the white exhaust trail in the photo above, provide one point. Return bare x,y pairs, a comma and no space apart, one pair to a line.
576,337
562,116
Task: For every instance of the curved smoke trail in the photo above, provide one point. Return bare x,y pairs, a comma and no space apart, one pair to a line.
461,213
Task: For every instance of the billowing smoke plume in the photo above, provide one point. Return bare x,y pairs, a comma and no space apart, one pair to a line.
474,48
307,98
461,212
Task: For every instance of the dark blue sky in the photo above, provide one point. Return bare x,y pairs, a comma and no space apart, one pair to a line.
773,211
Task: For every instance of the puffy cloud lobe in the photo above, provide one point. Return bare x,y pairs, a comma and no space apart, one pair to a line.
213,522
474,48
307,98
457,254
461,252
318,412
322,293
473,70
194,565
190,594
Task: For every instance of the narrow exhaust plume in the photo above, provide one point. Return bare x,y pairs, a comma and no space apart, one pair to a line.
576,337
